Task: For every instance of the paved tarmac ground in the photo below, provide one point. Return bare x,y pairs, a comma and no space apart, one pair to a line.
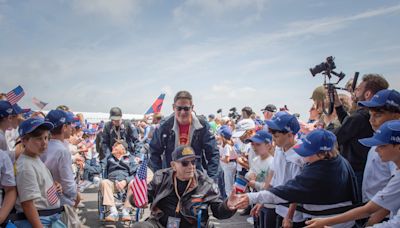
90,213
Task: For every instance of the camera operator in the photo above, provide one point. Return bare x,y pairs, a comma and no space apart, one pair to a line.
356,125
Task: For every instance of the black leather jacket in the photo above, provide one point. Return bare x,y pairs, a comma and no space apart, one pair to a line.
162,185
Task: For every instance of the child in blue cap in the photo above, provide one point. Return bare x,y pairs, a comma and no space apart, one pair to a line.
327,180
228,157
6,112
38,194
387,141
384,106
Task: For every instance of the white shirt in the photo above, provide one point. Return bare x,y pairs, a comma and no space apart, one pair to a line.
392,223
7,177
34,182
261,168
287,165
57,159
376,174
388,197
3,142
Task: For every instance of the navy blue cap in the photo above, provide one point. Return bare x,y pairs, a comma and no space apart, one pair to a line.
6,109
225,132
58,117
31,124
18,110
315,141
283,121
388,133
383,97
183,152
261,136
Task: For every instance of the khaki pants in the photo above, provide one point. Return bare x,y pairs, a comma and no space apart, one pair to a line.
108,189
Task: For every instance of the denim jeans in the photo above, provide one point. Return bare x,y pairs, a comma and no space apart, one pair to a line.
52,221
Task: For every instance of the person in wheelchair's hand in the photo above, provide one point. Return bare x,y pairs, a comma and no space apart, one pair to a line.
177,194
120,170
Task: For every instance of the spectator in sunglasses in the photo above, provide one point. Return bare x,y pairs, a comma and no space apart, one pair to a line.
174,194
184,127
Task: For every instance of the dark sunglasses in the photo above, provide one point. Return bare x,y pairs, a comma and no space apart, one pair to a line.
272,131
185,108
186,163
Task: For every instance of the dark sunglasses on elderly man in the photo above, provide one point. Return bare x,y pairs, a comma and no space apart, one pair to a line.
186,163
185,108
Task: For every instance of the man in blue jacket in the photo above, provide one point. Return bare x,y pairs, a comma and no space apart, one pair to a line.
120,170
184,128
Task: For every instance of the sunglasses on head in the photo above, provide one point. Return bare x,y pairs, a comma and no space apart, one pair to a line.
272,131
185,108
186,163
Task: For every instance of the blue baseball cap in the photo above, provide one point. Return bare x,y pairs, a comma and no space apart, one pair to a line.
18,110
58,117
261,136
388,133
31,124
6,109
315,141
225,132
383,97
283,121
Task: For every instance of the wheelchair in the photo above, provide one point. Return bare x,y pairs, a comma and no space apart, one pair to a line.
119,198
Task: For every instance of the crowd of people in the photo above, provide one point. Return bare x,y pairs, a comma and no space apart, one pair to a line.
337,170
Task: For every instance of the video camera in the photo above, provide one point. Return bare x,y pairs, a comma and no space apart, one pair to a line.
233,114
327,69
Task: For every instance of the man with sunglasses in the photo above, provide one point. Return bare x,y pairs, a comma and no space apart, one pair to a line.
176,192
184,127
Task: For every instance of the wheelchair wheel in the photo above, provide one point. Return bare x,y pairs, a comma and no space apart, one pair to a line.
100,207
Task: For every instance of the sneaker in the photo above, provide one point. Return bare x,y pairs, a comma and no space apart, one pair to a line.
113,217
250,220
126,216
85,184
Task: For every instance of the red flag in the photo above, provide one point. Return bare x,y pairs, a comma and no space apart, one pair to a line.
139,185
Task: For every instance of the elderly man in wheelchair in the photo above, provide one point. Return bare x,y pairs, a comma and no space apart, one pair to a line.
120,170
181,195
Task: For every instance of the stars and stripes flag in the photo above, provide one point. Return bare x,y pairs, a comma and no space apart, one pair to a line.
139,185
15,95
52,195
40,104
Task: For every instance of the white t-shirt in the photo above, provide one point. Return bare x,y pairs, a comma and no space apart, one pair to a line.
57,159
34,182
229,151
3,141
261,168
7,177
287,165
376,174
388,197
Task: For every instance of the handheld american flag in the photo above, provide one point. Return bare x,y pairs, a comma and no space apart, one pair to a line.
15,95
40,104
139,185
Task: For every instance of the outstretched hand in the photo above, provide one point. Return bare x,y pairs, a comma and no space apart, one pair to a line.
316,223
233,197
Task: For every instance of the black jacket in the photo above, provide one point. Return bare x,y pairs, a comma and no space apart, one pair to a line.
354,127
323,182
202,142
127,132
162,185
124,169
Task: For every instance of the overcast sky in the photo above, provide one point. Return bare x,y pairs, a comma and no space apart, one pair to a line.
95,54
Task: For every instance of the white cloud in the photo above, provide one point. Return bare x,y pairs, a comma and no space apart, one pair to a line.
119,11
